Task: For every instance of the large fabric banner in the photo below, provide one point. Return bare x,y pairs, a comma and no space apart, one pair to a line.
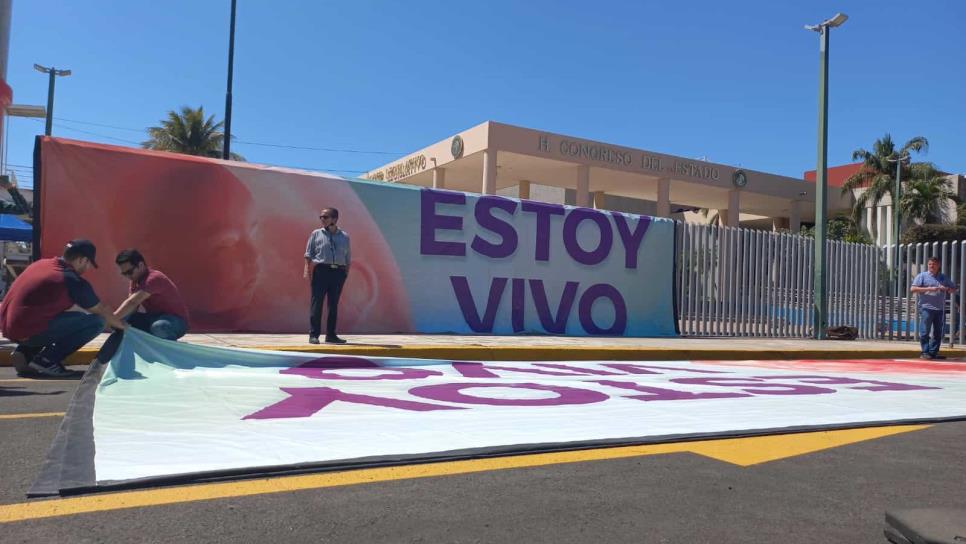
167,411
232,236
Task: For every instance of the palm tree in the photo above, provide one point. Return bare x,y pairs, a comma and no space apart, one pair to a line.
925,200
877,175
189,132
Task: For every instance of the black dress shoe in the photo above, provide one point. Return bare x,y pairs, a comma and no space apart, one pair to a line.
334,340
313,339
937,356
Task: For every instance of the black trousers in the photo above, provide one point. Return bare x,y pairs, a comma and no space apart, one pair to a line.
327,283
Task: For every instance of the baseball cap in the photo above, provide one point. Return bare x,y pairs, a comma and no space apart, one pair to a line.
84,248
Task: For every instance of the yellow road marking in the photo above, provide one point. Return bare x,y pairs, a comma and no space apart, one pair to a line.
741,451
41,380
761,449
35,414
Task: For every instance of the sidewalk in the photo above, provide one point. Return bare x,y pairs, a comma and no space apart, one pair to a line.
546,348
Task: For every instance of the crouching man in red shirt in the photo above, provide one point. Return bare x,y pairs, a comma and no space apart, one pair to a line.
165,314
51,311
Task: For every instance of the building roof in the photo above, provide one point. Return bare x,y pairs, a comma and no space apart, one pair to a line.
837,175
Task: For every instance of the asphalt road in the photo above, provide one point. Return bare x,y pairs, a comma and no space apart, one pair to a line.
833,495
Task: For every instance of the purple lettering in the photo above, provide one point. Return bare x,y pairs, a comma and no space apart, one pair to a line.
430,222
518,291
577,371
464,297
305,401
480,370
558,324
875,385
631,241
453,392
756,386
543,212
635,368
326,368
660,393
584,309
485,219
577,253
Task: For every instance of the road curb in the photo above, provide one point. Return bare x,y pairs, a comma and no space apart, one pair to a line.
570,353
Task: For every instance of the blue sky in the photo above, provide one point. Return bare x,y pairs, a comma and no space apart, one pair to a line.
735,82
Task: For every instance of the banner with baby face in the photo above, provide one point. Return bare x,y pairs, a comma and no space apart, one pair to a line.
232,236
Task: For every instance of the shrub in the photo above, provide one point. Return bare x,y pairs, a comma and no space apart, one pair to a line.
933,233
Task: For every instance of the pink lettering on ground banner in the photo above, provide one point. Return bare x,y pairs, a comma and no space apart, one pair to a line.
305,401
453,392
481,370
757,386
873,385
634,368
326,368
660,393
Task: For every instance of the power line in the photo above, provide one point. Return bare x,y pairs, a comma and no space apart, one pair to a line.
246,142
139,130
329,149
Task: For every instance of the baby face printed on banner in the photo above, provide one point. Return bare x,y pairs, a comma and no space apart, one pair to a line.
232,238
287,204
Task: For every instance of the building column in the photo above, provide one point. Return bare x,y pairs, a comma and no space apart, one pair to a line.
439,178
599,197
583,186
888,225
734,208
489,172
663,198
795,217
879,221
524,188
868,221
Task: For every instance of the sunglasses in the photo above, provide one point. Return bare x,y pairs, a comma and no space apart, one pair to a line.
325,216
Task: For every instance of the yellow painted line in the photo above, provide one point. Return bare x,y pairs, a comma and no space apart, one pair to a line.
28,416
564,352
743,451
36,380
762,449
575,353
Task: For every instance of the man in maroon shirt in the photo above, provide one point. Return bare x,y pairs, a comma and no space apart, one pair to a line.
165,314
50,311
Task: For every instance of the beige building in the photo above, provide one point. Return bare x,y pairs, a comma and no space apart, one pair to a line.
499,159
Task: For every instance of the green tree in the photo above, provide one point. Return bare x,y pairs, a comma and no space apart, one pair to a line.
926,200
190,133
878,173
842,229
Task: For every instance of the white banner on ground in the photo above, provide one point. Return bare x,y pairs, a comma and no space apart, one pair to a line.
165,408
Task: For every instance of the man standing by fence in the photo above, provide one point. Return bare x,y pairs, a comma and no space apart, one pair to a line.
931,287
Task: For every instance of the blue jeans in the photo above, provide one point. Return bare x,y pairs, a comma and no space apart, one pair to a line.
930,321
65,334
167,326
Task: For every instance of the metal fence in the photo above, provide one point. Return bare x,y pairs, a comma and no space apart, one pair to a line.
743,282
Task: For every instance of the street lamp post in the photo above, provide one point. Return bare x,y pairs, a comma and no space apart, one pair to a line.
820,321
50,92
896,218
226,146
